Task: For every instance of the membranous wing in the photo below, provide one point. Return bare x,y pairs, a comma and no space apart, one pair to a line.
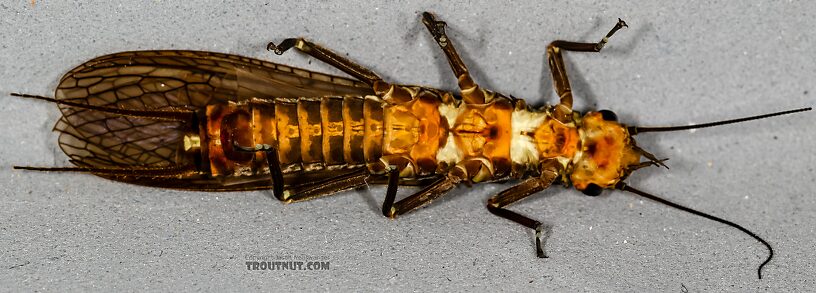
168,81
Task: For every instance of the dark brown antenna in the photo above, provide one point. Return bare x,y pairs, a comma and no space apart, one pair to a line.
623,186
633,130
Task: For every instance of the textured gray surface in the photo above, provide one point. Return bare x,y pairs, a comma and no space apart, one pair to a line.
676,64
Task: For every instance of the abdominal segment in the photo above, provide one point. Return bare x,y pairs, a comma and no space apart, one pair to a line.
428,134
308,134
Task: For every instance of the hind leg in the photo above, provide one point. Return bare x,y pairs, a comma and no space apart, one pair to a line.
323,54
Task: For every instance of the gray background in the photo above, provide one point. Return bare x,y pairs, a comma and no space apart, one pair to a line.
676,64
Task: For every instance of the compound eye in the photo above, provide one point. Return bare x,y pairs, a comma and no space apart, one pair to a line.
608,115
592,190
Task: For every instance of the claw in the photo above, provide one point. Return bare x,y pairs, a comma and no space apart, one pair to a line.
436,27
272,47
622,23
284,45
428,18
539,251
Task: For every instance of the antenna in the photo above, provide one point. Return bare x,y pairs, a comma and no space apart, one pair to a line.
624,187
634,130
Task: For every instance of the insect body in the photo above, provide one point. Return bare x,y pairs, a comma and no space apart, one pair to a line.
209,121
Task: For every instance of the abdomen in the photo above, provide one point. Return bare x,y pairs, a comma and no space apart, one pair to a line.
310,134
425,135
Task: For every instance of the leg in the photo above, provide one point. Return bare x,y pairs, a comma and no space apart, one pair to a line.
426,195
391,193
333,59
471,92
332,185
513,194
559,72
309,191
272,162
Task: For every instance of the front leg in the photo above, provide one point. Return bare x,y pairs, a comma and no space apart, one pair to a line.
563,110
471,92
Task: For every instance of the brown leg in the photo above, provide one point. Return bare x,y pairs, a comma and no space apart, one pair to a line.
343,182
326,187
559,72
416,200
471,92
333,59
513,194
391,193
272,161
